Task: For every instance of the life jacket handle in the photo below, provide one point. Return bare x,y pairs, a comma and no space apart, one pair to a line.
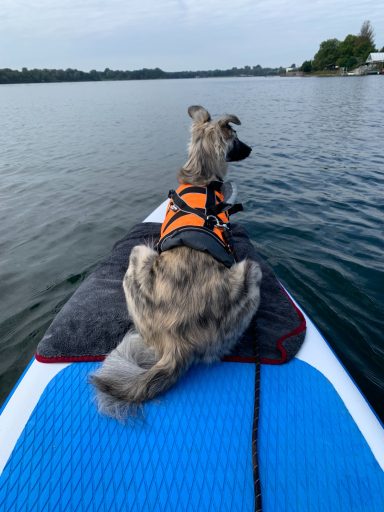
231,209
182,205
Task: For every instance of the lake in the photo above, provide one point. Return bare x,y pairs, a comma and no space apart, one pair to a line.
81,163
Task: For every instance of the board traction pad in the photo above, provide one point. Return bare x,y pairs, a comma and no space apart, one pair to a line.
193,450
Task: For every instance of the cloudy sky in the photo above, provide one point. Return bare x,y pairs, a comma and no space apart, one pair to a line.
175,34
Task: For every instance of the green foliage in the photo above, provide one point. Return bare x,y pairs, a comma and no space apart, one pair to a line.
327,55
347,49
354,51
10,76
350,53
306,66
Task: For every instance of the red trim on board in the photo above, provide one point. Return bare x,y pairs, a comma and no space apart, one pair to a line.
69,359
91,359
301,327
227,359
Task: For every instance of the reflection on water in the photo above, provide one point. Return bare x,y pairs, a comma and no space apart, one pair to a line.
81,163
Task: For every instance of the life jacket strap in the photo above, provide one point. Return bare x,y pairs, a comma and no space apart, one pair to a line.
183,206
215,209
212,210
226,207
202,223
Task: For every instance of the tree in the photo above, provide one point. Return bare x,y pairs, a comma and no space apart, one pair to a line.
347,51
9,76
306,66
363,49
366,42
327,55
367,33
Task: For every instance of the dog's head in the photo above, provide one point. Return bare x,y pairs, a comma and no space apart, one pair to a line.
213,143
226,136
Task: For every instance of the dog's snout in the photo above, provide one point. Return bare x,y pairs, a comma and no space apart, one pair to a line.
238,151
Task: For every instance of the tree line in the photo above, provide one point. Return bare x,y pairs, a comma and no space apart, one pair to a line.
11,76
349,53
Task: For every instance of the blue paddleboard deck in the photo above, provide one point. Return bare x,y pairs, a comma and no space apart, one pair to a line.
192,451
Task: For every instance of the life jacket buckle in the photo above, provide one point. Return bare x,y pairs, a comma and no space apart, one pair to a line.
173,207
213,222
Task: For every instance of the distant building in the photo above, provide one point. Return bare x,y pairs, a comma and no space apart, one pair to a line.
293,72
375,62
375,58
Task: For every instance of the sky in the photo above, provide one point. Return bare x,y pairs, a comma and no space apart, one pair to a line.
175,35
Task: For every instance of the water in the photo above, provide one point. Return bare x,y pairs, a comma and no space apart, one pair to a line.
81,163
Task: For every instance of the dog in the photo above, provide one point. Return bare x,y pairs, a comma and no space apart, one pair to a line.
186,306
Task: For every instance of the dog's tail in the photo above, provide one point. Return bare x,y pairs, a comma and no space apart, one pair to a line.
131,374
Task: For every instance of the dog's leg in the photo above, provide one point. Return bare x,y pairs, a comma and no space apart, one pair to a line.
244,298
241,304
138,283
140,266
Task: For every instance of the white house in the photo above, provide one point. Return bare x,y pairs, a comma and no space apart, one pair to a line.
375,58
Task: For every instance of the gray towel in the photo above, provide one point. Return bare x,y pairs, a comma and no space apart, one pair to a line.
95,319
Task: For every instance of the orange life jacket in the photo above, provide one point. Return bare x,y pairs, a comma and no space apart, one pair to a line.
198,217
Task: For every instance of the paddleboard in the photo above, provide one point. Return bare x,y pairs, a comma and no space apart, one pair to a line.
320,446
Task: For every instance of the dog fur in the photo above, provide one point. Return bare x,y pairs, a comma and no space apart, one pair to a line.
185,305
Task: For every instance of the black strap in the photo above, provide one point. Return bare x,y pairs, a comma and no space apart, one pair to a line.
174,218
211,208
255,428
234,208
192,190
210,203
216,185
226,207
180,203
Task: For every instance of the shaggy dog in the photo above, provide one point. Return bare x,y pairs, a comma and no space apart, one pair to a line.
185,305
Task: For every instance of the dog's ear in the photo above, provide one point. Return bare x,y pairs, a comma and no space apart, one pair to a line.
228,118
199,114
